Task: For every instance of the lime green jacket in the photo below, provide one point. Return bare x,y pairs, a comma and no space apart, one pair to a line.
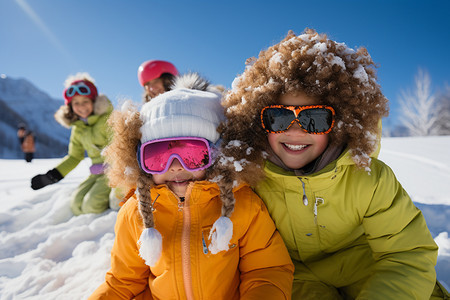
345,226
91,137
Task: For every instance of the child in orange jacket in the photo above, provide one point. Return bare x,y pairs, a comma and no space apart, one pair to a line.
185,235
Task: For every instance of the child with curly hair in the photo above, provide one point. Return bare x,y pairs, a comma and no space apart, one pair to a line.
182,236
303,127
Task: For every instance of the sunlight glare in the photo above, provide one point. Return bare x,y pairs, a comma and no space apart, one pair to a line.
36,19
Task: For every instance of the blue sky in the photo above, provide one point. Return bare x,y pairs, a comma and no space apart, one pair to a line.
44,41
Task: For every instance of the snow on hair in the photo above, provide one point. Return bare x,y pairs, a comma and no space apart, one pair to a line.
120,155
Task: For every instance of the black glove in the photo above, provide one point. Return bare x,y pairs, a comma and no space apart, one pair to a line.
51,177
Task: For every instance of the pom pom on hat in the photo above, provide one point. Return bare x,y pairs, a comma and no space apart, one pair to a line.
220,235
150,246
182,112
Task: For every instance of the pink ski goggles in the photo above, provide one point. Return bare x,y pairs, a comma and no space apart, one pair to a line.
194,154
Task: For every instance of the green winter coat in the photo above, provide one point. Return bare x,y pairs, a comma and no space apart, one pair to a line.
347,228
92,195
91,137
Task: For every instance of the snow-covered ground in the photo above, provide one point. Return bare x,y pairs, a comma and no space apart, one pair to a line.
47,253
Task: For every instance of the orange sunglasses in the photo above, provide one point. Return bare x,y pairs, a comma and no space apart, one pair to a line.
313,119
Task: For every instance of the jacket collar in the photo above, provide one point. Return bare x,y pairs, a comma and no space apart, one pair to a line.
330,170
208,190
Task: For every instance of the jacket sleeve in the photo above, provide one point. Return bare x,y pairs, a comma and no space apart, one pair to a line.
107,132
74,155
402,245
128,276
265,266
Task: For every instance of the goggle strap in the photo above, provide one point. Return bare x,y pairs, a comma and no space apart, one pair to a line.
138,154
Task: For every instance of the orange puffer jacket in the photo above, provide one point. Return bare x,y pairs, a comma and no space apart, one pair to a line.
257,265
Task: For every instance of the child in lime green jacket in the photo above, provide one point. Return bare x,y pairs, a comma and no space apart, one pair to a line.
303,127
86,112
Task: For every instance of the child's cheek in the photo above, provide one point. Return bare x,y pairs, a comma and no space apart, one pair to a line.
272,138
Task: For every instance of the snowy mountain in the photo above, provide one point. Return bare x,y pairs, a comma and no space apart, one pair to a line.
22,102
48,253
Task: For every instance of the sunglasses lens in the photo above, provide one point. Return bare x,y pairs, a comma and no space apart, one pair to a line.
277,118
312,120
193,154
316,120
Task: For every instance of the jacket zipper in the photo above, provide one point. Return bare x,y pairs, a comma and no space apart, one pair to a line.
185,246
305,199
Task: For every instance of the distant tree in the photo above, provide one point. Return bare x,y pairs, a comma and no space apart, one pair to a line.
419,112
399,130
443,119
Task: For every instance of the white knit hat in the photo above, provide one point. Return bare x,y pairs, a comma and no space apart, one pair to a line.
182,112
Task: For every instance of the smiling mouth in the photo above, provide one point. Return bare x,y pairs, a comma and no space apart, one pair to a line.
295,147
180,182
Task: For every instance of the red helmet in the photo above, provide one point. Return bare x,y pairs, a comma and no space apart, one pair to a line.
153,69
82,88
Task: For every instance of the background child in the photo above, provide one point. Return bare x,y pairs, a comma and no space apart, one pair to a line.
156,76
28,145
86,112
21,130
306,111
178,237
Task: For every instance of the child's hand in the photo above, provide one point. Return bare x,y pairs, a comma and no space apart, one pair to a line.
39,181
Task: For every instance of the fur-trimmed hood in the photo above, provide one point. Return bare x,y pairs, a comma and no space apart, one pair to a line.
322,68
102,105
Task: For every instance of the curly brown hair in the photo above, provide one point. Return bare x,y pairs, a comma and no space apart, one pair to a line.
123,169
321,68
